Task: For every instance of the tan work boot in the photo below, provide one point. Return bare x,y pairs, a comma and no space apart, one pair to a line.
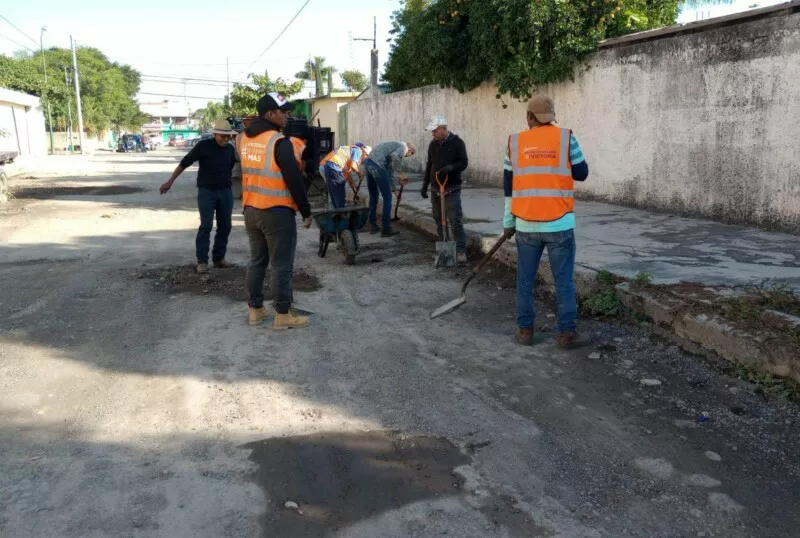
524,337
572,340
223,264
202,268
257,315
292,320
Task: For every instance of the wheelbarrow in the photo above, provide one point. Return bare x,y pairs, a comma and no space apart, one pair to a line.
340,225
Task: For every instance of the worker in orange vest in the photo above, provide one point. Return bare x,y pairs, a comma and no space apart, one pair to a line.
337,167
540,169
273,192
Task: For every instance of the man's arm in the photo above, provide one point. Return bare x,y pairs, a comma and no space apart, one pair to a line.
580,168
190,158
461,161
509,221
284,154
394,159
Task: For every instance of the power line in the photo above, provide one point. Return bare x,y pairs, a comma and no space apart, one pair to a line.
280,34
18,30
156,81
17,43
184,96
202,79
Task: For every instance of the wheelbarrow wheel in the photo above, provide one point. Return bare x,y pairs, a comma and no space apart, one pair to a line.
324,240
348,247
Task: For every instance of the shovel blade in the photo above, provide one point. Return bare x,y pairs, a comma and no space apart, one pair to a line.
446,254
449,307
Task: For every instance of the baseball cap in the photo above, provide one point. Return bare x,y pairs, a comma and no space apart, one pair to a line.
436,121
542,108
272,101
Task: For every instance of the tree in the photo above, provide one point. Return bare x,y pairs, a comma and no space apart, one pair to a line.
519,44
315,70
354,81
245,96
108,89
211,113
329,72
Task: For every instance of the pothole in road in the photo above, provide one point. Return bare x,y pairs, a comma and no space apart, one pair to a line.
337,479
224,282
46,193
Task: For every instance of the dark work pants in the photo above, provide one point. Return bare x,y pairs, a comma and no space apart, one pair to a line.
455,217
273,240
209,202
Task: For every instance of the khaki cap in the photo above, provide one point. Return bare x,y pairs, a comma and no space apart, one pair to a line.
542,108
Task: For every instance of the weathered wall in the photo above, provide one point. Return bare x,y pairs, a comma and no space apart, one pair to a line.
699,124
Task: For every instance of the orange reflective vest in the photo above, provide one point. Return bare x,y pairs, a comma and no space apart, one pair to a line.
542,190
263,186
299,147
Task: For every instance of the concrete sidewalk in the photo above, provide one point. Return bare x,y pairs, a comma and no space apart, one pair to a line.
628,241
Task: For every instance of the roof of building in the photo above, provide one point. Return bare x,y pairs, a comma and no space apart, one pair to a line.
336,95
18,98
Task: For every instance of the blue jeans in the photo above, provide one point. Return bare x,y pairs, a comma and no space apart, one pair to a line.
334,178
561,253
378,182
210,201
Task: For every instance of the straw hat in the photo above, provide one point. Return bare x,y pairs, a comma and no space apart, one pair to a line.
223,127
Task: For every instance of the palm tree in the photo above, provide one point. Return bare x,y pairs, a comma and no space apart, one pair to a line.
314,69
329,72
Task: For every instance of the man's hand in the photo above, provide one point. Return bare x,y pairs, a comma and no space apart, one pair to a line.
165,187
445,171
509,232
403,180
424,192
307,222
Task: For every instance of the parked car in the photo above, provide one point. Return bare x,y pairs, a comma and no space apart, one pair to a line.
154,141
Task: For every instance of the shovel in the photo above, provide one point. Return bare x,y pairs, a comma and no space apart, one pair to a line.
400,195
445,250
455,303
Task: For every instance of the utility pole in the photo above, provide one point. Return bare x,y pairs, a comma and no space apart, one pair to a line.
47,99
69,111
228,71
77,94
373,58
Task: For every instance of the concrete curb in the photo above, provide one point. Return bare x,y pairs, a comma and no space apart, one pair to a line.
694,330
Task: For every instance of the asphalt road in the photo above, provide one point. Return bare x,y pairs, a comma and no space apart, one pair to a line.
136,401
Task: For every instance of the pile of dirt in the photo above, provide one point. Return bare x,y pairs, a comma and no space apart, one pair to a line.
229,282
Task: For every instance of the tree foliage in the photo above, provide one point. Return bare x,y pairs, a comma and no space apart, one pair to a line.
108,89
316,70
519,44
245,96
211,113
354,81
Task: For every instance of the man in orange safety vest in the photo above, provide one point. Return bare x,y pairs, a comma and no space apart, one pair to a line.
540,169
273,192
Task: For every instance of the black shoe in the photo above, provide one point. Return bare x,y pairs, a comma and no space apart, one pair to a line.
373,228
389,232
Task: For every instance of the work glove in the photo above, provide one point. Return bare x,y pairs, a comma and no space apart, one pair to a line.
445,171
509,232
424,192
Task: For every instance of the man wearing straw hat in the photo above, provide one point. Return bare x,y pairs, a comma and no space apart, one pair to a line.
216,158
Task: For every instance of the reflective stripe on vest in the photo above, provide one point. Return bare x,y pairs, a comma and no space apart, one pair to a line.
541,193
263,187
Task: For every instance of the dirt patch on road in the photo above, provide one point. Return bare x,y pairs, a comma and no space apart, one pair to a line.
337,479
224,282
46,193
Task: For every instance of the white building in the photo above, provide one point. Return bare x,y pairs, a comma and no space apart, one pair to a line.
22,127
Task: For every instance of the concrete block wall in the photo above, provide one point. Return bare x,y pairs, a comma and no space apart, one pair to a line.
702,123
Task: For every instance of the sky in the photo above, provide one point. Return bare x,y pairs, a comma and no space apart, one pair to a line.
195,38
